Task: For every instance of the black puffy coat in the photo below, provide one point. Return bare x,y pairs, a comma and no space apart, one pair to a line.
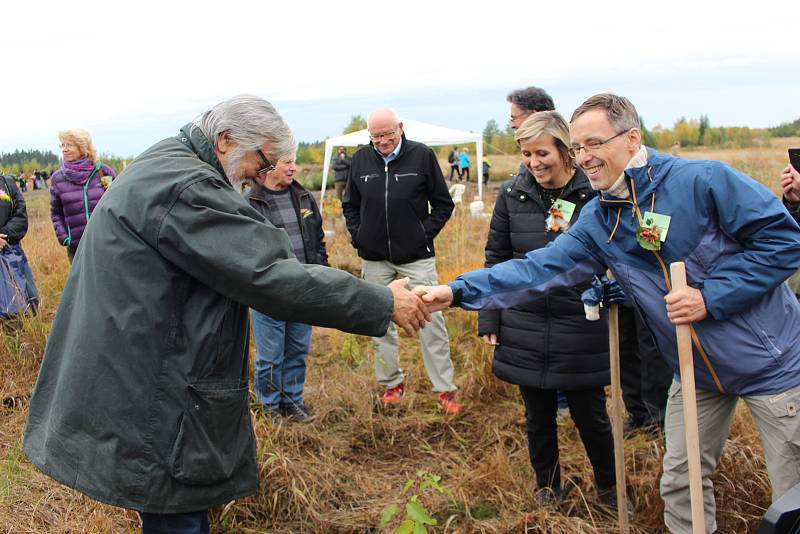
546,343
13,213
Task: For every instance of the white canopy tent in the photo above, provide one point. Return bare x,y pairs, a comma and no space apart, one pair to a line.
415,131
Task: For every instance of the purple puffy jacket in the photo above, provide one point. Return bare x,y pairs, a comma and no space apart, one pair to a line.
71,203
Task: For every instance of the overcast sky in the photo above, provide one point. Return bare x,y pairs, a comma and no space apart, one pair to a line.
132,73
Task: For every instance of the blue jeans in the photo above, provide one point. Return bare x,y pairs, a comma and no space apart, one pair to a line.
189,523
281,350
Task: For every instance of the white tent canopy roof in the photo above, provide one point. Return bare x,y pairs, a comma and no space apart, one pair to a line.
415,131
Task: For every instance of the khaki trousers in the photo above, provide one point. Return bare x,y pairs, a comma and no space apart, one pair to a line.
778,425
433,338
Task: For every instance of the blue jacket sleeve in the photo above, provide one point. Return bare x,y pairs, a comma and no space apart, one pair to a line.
562,263
755,218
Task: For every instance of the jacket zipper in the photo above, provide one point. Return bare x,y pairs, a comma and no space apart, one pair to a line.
300,223
386,210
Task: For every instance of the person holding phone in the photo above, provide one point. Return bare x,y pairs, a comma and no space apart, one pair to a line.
790,183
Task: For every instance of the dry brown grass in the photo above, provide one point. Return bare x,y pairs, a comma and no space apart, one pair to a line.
337,474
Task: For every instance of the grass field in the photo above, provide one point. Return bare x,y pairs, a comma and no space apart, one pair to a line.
340,472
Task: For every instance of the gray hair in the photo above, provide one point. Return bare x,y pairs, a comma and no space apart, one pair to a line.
251,122
620,112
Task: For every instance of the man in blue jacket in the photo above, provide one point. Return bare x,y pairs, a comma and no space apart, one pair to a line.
738,243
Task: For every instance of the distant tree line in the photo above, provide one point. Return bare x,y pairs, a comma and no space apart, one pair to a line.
686,132
785,129
28,161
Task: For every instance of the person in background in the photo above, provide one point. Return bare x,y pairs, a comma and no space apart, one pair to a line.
395,204
341,164
523,103
546,345
23,183
463,163
790,184
486,166
13,227
644,375
76,188
453,160
282,346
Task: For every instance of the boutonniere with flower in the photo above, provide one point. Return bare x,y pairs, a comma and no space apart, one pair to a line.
4,196
560,214
649,235
305,212
555,222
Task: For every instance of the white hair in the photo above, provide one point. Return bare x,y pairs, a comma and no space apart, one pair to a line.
251,122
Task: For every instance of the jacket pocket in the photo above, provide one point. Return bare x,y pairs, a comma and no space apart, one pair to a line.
214,436
367,177
760,333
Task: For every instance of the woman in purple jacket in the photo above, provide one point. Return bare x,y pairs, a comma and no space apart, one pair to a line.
76,187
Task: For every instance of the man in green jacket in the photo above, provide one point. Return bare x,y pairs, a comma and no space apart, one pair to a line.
142,396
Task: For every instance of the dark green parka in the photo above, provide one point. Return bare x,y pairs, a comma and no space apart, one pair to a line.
142,396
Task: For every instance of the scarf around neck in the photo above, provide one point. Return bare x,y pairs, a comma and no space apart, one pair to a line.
619,188
77,171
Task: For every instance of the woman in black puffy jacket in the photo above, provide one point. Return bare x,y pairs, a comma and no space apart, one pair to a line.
547,344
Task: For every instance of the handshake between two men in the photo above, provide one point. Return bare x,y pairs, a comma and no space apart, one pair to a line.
413,309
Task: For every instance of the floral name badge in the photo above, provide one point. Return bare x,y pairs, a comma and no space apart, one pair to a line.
653,231
560,215
566,208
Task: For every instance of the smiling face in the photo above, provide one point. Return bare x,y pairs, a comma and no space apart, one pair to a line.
543,159
281,177
385,130
607,154
70,150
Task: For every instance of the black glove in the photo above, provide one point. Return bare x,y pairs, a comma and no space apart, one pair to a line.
605,291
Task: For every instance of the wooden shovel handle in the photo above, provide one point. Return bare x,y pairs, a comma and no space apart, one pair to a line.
616,419
686,359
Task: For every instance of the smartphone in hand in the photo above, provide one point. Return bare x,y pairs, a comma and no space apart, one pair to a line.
794,158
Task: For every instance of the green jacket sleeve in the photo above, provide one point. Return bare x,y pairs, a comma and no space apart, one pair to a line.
212,234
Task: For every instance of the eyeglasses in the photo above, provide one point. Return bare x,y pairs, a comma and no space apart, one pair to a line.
379,136
520,116
266,164
592,145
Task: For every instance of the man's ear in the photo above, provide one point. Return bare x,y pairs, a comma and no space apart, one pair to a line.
224,142
634,139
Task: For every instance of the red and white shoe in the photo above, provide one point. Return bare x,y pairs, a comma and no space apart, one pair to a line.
392,395
449,404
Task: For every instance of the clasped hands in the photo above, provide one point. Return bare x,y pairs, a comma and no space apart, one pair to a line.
413,309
